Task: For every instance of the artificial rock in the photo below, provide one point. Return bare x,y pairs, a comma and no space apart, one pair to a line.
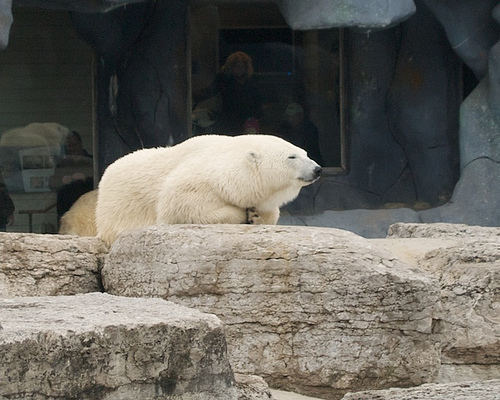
322,14
5,22
318,311
48,265
487,390
97,346
466,261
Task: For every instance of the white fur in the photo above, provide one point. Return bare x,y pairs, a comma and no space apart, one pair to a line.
204,180
80,218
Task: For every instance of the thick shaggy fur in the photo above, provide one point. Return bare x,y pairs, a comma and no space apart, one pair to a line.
80,218
204,180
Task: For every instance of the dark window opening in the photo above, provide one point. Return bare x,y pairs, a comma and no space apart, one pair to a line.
298,77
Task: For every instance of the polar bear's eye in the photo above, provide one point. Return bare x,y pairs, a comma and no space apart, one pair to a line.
293,156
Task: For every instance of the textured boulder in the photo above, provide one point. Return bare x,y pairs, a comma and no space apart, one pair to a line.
49,265
470,29
377,160
318,311
427,142
466,260
5,22
487,390
480,123
97,346
317,14
143,47
441,230
251,387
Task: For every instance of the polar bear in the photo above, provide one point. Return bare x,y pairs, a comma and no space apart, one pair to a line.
80,218
210,179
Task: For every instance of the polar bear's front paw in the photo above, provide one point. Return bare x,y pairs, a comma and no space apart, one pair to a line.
253,216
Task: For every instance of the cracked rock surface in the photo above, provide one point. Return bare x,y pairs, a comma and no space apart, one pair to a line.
488,390
98,346
466,261
49,265
313,310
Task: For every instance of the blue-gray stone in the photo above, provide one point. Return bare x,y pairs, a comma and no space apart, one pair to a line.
476,199
470,28
479,131
317,14
366,223
425,79
5,22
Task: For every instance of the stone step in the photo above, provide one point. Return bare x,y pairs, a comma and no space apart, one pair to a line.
317,311
49,265
486,390
99,346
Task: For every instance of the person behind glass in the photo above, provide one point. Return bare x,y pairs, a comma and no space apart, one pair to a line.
6,208
300,131
73,175
240,97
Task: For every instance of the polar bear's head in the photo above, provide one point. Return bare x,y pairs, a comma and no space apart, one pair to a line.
284,161
281,168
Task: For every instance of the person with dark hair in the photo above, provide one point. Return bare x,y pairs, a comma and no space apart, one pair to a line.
301,131
73,175
240,97
74,145
7,208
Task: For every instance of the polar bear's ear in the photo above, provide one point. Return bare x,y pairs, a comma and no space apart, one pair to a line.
254,156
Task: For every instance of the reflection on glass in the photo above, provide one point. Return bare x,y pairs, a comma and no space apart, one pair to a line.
295,78
45,92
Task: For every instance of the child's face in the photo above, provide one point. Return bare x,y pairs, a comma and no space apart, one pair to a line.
239,69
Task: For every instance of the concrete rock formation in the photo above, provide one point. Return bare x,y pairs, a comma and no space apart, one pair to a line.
320,311
419,306
340,13
441,231
466,261
5,22
97,346
46,265
251,387
487,390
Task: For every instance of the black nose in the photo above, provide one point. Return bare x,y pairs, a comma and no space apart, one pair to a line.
317,171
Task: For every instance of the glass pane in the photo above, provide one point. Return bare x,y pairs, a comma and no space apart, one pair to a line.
45,93
295,91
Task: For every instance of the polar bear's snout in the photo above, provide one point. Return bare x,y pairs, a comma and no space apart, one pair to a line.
317,172
312,175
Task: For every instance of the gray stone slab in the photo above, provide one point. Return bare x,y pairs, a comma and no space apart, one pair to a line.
98,346
441,230
487,390
5,22
466,261
313,310
476,199
316,14
48,265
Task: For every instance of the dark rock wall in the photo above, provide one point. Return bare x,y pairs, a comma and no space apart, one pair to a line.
142,75
470,28
376,159
5,22
423,104
403,97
